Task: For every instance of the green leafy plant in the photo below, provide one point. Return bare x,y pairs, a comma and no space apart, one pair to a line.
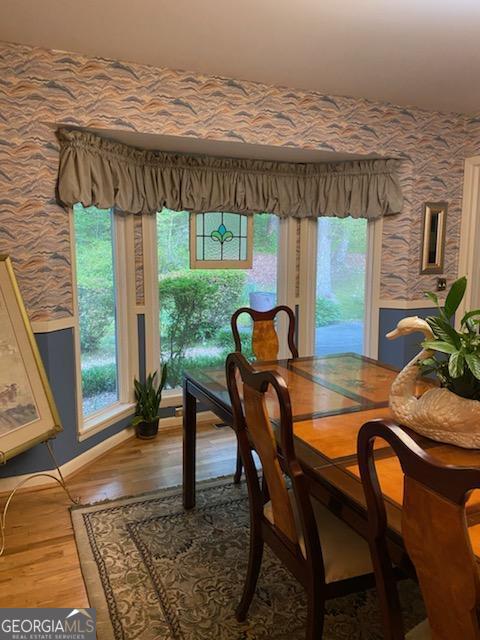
327,311
148,395
96,316
456,359
195,305
99,378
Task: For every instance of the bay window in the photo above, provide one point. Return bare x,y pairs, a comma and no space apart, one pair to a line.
103,316
196,304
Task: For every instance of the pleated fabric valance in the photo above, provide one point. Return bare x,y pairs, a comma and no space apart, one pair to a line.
101,172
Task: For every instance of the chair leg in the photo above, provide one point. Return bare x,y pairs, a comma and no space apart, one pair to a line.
315,612
238,471
254,564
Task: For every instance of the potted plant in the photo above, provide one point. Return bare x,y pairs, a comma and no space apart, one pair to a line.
455,360
148,396
450,412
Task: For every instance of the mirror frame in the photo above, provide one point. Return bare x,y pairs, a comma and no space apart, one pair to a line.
429,210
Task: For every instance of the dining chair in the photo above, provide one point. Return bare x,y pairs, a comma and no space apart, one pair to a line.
265,343
435,534
326,556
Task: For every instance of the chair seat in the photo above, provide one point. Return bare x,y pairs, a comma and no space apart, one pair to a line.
345,553
420,632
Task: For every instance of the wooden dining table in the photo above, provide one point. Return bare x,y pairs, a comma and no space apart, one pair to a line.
332,397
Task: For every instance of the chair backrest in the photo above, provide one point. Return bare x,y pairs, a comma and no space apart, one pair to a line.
434,530
265,344
254,429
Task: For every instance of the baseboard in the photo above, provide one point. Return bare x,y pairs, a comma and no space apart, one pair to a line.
176,421
68,469
73,466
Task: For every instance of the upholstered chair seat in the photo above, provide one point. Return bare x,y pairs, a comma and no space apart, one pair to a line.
345,554
420,632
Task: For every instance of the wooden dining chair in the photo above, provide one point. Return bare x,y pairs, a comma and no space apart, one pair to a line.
265,343
327,557
435,534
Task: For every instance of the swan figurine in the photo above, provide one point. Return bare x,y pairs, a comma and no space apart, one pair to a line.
438,414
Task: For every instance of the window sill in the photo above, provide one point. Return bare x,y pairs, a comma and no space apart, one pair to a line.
105,418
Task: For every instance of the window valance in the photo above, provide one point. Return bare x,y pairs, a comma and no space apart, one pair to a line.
101,172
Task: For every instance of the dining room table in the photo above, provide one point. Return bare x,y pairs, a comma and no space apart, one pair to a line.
332,397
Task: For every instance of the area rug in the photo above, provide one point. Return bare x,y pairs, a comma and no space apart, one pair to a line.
156,572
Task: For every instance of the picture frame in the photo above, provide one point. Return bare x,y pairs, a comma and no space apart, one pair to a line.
433,237
221,240
28,414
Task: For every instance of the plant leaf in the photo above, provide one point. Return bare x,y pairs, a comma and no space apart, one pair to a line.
164,376
456,364
428,362
470,314
455,296
473,362
432,296
444,330
438,345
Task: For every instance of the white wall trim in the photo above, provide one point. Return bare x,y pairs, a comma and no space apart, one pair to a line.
76,464
308,276
172,398
418,303
282,284
107,417
177,421
127,343
47,326
150,287
308,285
372,287
70,467
470,235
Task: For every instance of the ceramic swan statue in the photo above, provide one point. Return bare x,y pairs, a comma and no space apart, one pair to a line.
438,414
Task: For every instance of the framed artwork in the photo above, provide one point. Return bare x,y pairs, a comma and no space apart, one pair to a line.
27,410
221,240
433,245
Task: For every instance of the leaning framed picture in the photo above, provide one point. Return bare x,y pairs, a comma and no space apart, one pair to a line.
27,410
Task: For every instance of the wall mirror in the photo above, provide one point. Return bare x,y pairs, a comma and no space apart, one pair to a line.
433,245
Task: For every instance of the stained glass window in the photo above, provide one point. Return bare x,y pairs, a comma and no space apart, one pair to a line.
220,239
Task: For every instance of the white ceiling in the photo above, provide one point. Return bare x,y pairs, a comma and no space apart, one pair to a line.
410,52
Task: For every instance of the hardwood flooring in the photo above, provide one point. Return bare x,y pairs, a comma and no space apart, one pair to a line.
40,567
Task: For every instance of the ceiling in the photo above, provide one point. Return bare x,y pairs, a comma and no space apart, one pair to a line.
409,52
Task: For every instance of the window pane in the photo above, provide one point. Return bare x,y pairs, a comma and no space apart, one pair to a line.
96,306
196,304
221,236
340,304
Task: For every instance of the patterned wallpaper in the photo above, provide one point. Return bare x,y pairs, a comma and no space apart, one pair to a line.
40,89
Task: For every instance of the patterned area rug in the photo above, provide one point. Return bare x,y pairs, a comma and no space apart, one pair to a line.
154,571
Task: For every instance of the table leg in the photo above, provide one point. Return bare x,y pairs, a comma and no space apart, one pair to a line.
189,446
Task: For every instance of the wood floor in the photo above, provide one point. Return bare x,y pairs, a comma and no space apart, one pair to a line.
40,567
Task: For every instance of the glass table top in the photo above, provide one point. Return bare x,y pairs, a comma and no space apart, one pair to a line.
318,386
332,397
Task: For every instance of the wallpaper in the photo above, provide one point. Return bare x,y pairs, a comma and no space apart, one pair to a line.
40,89
139,282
